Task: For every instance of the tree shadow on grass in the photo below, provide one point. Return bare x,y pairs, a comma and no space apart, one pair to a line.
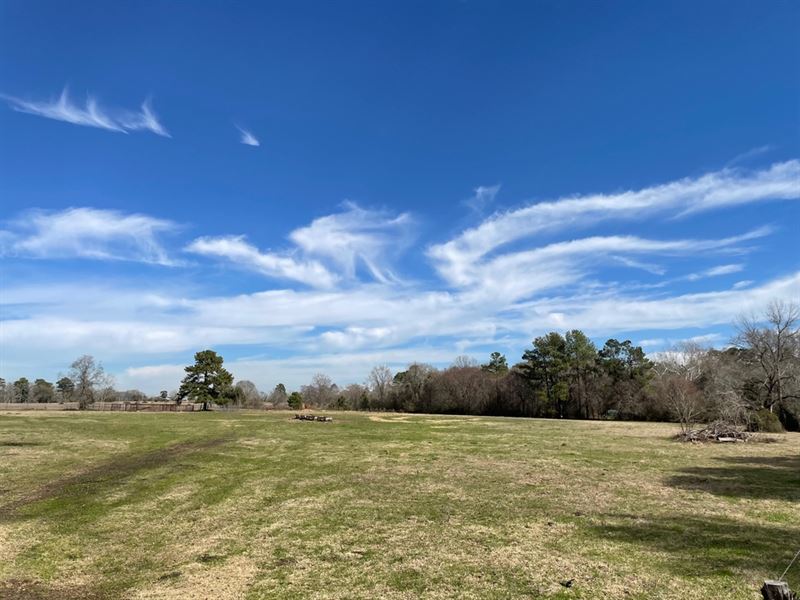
775,478
705,546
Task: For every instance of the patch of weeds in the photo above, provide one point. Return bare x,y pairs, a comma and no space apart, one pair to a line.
211,559
18,444
408,580
30,589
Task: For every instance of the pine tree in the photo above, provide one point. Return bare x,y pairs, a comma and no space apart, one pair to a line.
206,380
497,364
65,388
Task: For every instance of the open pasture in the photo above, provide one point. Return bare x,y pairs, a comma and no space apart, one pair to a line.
259,505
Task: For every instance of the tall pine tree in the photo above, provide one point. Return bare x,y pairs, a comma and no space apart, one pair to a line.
206,380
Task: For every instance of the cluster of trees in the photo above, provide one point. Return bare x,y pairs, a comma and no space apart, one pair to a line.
85,383
559,376
755,381
208,382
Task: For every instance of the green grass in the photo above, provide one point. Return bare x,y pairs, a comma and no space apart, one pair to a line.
258,505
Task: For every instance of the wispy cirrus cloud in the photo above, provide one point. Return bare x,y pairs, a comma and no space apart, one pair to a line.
516,275
716,271
729,187
355,238
246,137
87,233
750,154
330,250
91,113
482,197
237,250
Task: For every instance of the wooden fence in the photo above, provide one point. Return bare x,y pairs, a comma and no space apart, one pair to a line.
37,406
146,406
105,406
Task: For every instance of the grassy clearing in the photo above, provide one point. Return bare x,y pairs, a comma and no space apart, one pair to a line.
105,505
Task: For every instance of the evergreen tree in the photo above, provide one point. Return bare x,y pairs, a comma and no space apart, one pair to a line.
22,388
581,356
42,391
497,364
628,372
65,388
206,380
295,401
545,365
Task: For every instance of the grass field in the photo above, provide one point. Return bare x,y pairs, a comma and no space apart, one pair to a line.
257,505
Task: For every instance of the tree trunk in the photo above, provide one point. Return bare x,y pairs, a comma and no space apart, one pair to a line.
777,590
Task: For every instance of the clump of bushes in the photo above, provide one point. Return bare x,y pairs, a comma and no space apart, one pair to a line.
766,422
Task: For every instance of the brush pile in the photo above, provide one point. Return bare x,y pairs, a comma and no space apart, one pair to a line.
716,431
307,417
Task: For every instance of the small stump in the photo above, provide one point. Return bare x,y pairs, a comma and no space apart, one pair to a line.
777,590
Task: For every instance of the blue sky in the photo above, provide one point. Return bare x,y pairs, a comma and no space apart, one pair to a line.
321,187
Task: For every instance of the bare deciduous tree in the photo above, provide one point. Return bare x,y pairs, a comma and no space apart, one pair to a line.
682,398
320,392
247,394
379,382
684,359
355,397
463,361
87,376
278,397
776,350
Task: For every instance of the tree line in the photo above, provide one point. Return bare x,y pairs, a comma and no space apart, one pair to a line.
85,383
753,382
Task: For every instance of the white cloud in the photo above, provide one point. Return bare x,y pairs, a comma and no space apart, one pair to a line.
723,188
247,138
355,238
91,114
653,343
633,263
88,233
716,271
636,313
482,197
373,316
357,337
517,274
707,339
746,156
332,249
152,378
237,250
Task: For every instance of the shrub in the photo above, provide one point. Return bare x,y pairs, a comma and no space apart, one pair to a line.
295,401
766,421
